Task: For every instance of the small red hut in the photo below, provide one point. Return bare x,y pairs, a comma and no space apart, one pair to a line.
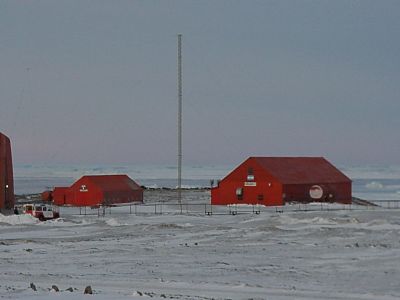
274,181
97,190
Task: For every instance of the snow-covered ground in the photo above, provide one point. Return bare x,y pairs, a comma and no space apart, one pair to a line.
328,254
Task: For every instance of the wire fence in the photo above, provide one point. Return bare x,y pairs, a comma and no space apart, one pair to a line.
164,208
388,204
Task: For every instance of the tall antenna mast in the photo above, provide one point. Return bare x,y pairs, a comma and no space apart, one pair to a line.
180,120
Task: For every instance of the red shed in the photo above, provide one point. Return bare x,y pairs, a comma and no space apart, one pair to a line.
6,174
274,181
96,190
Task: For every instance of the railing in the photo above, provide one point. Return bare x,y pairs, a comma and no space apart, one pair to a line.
164,208
388,204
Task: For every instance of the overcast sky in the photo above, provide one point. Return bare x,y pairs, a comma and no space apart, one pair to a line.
95,81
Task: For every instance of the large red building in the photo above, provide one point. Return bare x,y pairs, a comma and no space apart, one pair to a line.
6,174
95,190
274,181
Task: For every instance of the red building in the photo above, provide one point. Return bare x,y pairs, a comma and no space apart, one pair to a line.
273,181
6,174
59,196
97,190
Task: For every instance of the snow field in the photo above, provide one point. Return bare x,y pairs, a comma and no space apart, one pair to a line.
291,255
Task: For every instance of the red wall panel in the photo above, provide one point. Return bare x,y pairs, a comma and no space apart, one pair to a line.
6,174
261,189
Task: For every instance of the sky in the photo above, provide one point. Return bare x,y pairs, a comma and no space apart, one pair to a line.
89,82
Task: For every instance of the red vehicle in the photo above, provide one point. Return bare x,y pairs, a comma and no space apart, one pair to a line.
41,211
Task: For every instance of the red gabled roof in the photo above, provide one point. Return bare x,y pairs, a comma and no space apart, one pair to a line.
299,170
110,183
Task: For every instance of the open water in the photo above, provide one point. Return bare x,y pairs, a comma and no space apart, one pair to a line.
369,182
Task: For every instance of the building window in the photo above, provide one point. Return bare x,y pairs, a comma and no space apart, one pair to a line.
239,193
250,174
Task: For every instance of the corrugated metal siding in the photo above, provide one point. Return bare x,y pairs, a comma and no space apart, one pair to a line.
6,174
